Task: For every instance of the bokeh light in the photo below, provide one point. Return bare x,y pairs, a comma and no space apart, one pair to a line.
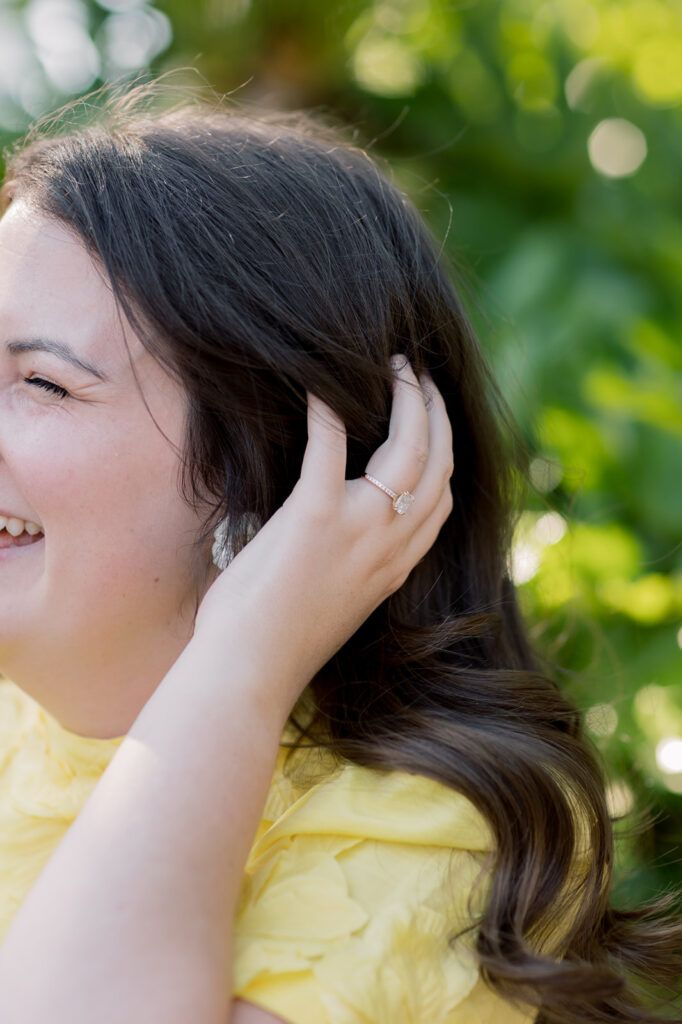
533,534
669,754
617,147
132,38
387,66
59,30
602,719
53,49
545,474
580,80
550,528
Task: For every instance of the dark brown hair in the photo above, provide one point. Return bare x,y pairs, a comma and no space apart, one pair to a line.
263,255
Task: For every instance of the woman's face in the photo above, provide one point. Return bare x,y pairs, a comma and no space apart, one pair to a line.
93,615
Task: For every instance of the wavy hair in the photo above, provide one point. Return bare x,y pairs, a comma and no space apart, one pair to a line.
261,255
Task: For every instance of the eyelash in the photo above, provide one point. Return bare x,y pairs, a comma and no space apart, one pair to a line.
47,385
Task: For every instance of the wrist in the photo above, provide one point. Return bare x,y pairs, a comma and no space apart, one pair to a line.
236,665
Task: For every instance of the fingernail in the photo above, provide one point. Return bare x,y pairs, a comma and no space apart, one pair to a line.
398,362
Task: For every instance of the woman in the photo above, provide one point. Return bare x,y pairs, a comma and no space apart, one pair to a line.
333,783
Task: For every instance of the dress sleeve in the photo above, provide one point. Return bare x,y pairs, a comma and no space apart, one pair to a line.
348,902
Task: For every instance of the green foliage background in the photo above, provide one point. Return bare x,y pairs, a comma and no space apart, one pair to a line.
572,262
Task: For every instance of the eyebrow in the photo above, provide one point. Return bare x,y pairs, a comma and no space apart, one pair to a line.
57,348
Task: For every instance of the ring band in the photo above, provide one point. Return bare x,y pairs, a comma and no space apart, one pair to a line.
401,502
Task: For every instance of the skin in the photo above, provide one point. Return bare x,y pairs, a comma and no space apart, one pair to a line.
192,775
108,596
109,593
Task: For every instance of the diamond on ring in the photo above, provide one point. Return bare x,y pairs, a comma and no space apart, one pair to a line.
401,502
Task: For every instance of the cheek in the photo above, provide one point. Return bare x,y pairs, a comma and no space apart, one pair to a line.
96,491
106,491
68,473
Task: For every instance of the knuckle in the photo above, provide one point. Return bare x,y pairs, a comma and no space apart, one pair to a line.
394,550
387,558
420,451
401,579
396,582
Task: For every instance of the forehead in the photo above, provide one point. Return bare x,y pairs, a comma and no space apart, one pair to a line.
50,285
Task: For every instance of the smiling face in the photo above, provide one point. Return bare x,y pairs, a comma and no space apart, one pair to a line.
93,615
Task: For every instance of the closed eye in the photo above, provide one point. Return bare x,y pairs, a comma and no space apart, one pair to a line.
47,385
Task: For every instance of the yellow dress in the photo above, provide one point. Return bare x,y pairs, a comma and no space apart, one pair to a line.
354,881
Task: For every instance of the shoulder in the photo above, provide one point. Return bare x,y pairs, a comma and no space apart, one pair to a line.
314,795
351,895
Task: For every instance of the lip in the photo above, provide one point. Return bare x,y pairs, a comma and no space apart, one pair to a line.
9,554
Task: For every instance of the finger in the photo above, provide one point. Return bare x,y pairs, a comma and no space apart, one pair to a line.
400,460
440,463
424,537
324,459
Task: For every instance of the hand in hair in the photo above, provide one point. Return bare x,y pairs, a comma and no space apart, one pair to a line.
336,548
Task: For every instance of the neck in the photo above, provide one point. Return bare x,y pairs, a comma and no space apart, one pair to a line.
97,691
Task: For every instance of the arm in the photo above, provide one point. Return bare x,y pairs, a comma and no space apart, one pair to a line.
131,920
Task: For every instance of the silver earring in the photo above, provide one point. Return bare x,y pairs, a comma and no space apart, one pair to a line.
221,557
221,550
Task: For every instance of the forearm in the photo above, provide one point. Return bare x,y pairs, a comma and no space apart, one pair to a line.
131,919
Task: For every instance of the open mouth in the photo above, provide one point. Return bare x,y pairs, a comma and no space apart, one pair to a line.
22,541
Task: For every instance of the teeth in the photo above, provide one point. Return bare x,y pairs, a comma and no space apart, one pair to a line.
16,526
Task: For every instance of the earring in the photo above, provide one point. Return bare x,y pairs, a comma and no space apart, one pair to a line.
221,557
221,550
